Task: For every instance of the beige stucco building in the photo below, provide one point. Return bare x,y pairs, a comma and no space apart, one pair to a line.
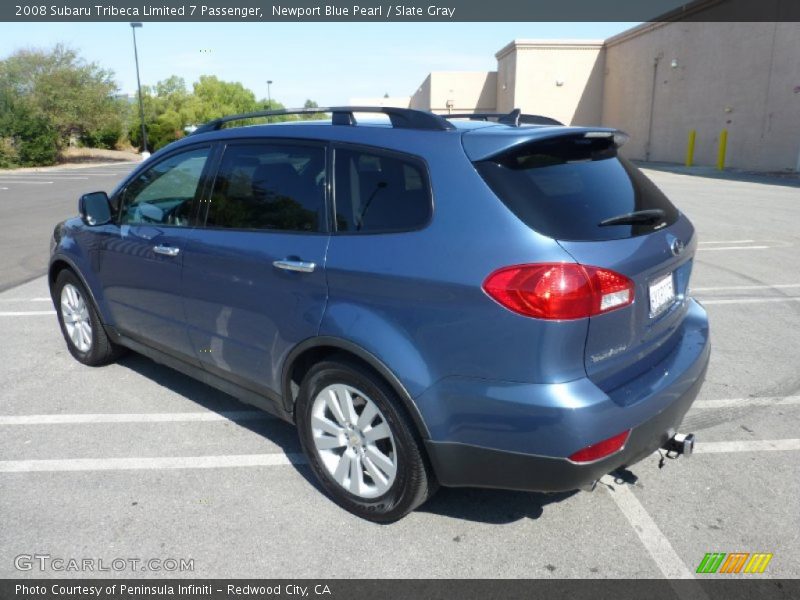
663,80
457,91
657,82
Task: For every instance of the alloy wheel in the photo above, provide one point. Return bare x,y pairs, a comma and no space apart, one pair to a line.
75,315
354,441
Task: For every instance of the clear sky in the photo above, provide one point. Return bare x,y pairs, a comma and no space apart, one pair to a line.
326,62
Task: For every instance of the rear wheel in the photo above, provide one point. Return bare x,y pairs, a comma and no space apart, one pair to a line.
360,443
80,324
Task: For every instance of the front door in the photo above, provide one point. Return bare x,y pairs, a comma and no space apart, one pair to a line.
254,280
141,257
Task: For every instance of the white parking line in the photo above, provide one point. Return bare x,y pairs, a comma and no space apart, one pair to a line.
26,313
722,288
55,177
747,446
747,402
163,462
649,532
25,300
701,243
65,174
27,182
233,415
749,300
652,538
736,248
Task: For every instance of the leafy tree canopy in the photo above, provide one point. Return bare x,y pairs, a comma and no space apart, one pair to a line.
75,96
48,97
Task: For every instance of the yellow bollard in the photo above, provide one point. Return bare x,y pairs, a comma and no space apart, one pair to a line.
690,148
723,147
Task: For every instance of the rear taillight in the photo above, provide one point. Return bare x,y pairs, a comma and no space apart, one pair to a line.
601,449
559,290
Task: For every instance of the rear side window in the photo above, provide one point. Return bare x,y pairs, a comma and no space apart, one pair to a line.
565,187
278,187
377,192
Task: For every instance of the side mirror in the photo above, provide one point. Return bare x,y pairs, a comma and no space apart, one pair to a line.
95,208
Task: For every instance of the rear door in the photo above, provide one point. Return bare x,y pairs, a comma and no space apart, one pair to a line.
254,269
604,212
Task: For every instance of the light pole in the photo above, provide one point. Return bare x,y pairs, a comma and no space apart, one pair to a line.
269,99
145,154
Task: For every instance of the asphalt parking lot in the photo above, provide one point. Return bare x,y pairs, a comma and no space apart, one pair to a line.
134,460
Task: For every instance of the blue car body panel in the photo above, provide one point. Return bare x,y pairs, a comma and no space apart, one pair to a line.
243,316
557,419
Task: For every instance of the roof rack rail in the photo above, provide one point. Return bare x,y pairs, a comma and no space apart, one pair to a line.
401,118
515,118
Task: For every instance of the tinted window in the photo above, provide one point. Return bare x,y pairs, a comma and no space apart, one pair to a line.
565,187
380,192
269,186
164,193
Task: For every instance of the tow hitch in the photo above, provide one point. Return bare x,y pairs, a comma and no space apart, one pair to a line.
680,443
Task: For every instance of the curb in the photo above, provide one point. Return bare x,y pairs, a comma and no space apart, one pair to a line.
69,166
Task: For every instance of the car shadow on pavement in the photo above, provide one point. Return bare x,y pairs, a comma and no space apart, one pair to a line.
491,506
272,428
783,178
188,387
470,504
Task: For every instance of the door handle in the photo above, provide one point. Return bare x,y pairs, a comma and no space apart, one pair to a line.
166,250
295,265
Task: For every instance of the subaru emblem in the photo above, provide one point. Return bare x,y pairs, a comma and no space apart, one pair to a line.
676,246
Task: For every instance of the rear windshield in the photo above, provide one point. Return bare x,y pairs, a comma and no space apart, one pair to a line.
565,187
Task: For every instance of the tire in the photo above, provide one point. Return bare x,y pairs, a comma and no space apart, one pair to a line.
336,453
80,323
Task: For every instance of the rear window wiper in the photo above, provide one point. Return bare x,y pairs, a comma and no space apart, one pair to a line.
635,218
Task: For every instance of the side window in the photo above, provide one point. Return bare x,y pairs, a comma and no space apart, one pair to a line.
165,192
270,186
380,192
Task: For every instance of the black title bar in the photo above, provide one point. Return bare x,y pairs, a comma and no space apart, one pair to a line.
399,10
394,589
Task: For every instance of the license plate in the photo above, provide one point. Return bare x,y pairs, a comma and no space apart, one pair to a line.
662,295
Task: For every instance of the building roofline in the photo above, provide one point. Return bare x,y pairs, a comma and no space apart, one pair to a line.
561,44
634,32
463,72
678,14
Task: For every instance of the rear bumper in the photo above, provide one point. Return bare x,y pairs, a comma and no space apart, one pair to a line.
525,432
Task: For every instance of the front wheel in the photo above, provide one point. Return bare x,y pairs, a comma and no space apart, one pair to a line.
360,443
80,323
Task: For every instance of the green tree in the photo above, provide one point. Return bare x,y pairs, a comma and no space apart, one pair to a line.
50,96
25,137
168,109
75,96
113,132
313,116
214,98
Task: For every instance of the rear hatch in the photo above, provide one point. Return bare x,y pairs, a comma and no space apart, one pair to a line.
571,185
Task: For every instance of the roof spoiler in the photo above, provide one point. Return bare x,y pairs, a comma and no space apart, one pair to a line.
515,118
486,143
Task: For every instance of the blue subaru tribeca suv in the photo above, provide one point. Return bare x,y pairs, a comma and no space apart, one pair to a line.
492,300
